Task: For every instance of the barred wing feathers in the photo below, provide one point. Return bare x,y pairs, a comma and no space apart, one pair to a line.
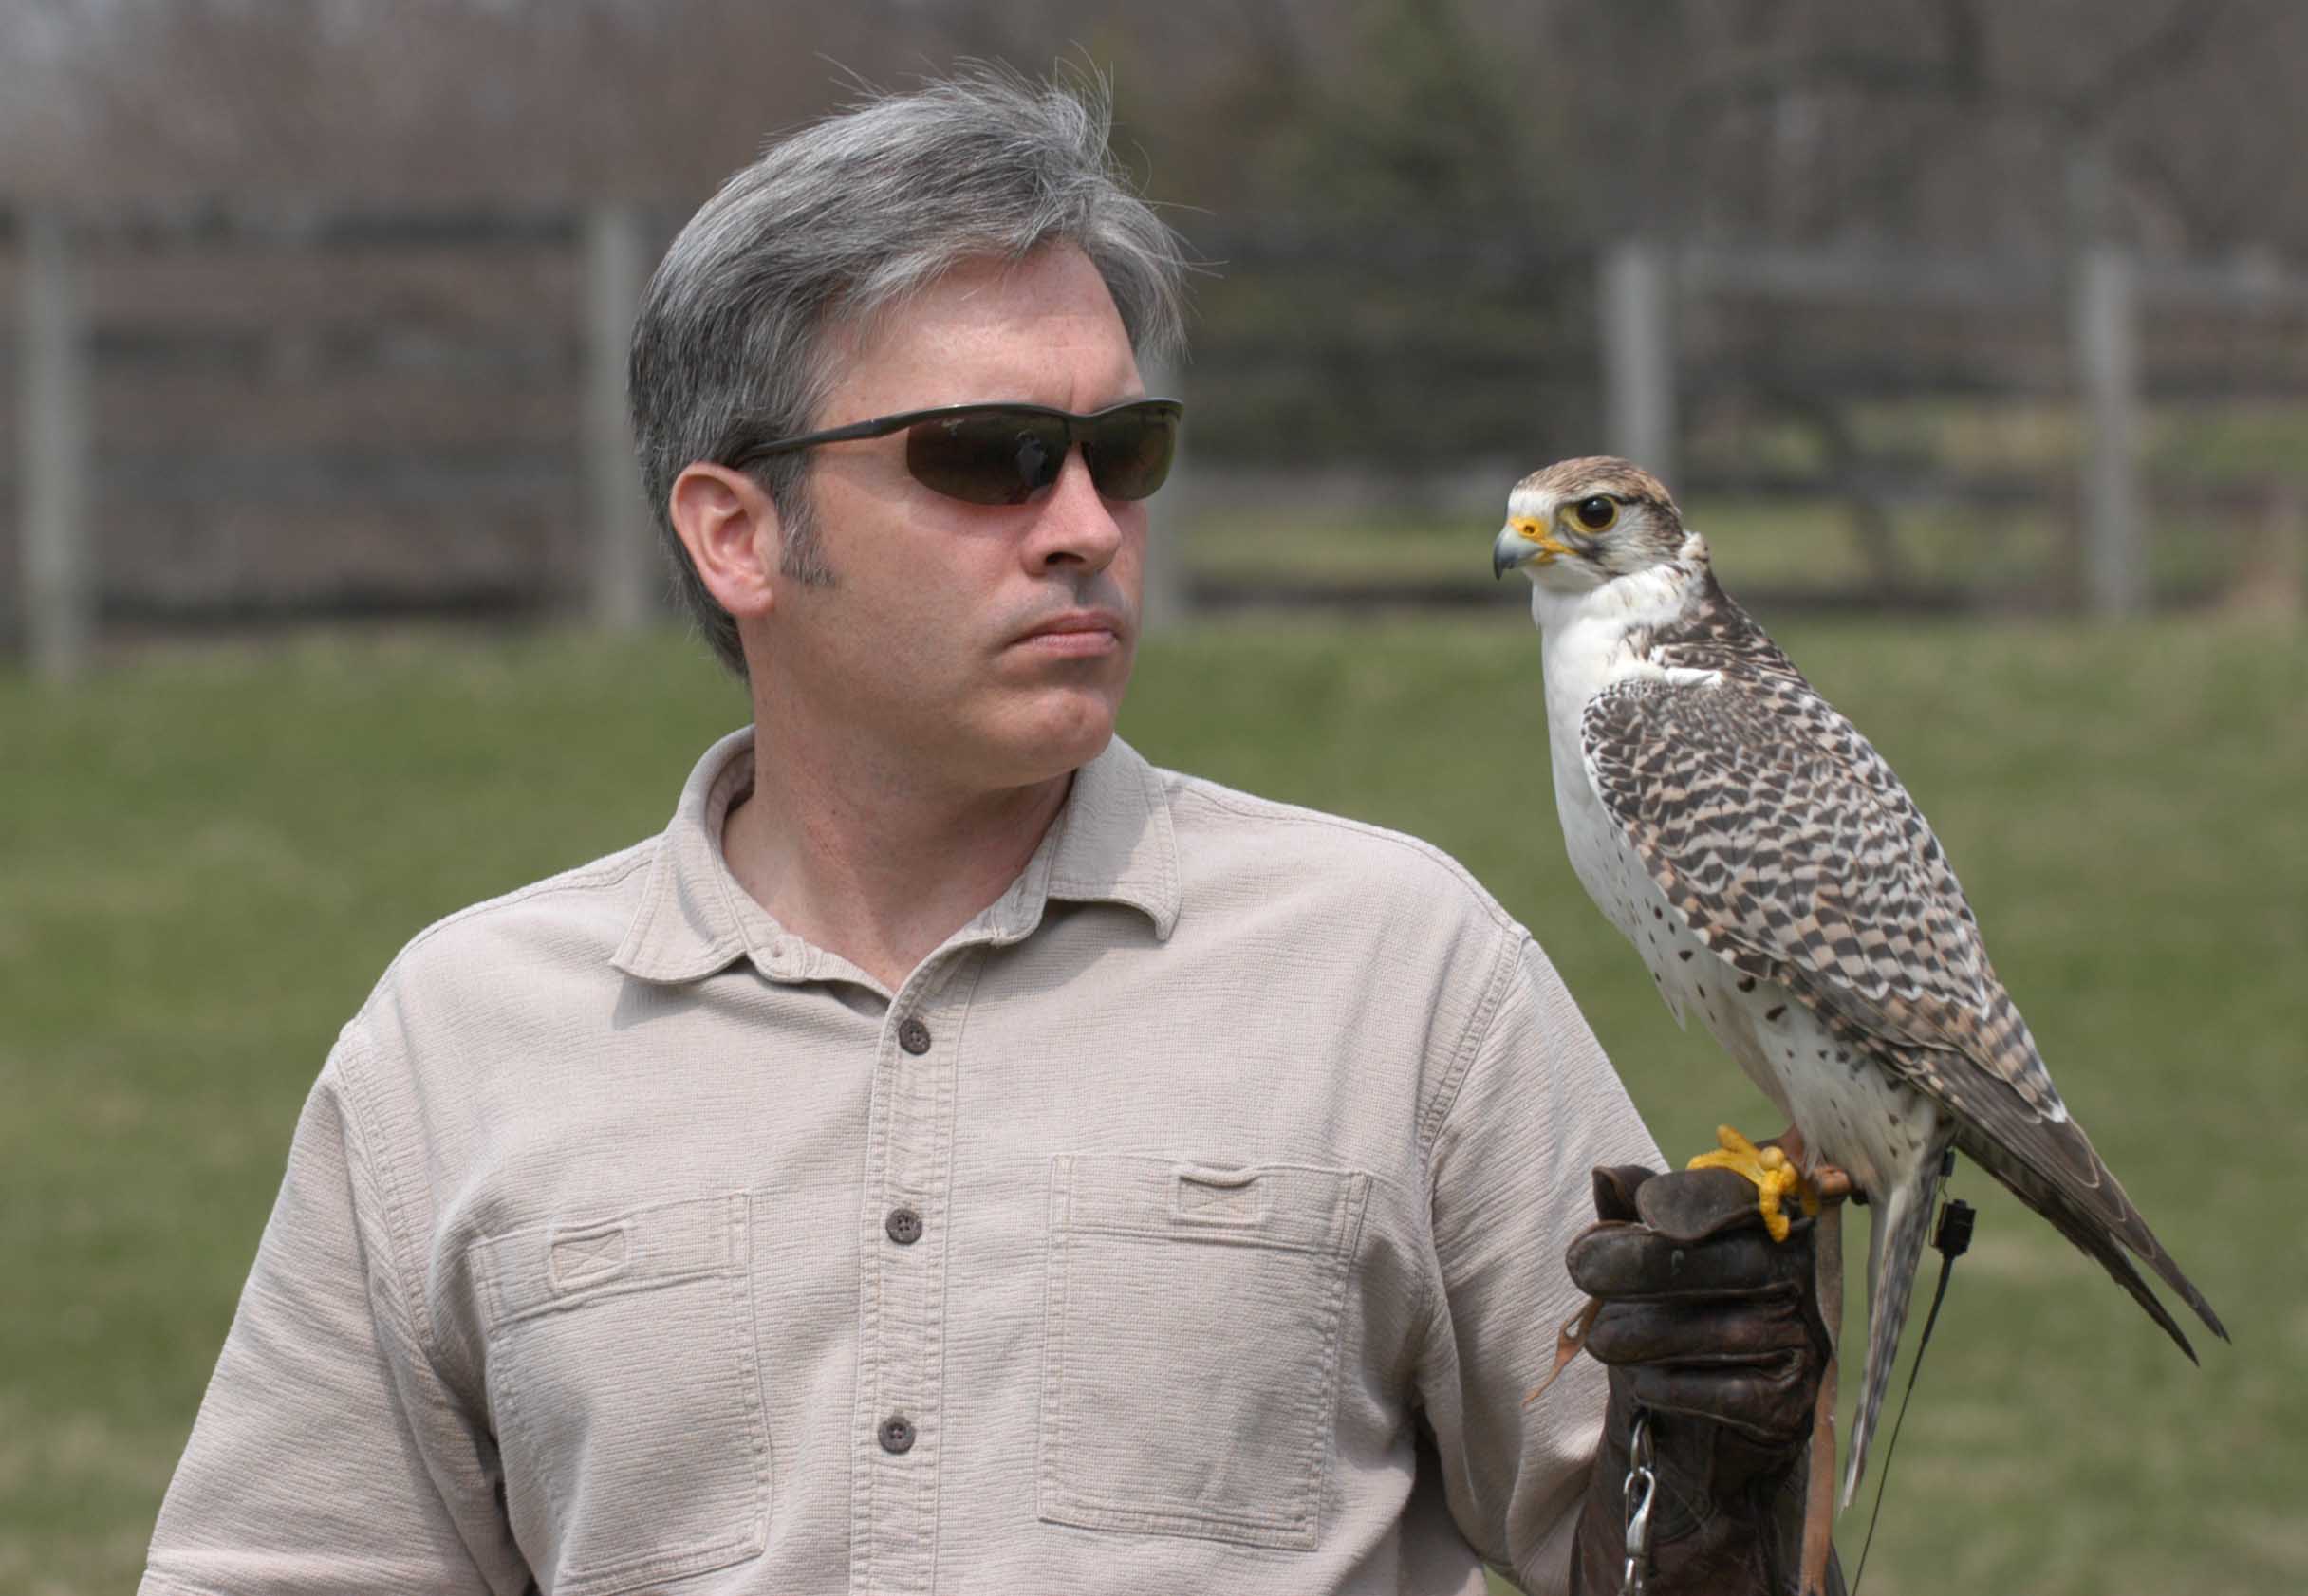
1795,855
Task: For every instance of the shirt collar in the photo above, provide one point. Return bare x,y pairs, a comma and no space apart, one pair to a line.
1112,842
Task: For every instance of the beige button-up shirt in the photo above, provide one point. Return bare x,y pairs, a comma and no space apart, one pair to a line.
1192,1220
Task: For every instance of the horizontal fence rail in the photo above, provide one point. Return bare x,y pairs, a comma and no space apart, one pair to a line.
220,413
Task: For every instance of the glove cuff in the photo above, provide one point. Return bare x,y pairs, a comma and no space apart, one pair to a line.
1728,1518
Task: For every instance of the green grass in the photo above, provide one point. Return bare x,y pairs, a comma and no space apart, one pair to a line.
207,858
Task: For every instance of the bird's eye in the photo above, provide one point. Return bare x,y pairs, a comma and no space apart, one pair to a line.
1598,513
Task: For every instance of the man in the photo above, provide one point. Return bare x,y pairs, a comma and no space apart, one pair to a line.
956,1155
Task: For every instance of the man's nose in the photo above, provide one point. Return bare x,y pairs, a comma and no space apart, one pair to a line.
1076,525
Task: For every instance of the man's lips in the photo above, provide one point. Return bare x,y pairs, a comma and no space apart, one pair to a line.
1078,632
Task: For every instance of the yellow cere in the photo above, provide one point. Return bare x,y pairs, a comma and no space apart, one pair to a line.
1548,546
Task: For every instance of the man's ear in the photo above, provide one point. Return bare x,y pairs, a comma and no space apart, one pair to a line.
732,530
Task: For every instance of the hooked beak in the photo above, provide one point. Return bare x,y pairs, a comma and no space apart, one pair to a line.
1524,541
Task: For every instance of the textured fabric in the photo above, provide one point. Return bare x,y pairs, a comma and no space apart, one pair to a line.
1241,1147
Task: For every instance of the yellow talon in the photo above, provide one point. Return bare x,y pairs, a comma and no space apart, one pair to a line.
1774,1178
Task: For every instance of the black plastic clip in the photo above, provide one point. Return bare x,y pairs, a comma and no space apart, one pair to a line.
1953,1237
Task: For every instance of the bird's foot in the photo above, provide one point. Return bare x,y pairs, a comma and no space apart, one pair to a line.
1776,1176
1823,1182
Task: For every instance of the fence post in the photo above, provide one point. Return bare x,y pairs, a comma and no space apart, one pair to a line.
1167,598
52,459
624,566
1638,334
2105,326
2283,578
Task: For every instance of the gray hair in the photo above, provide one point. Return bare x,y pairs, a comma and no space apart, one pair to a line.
847,218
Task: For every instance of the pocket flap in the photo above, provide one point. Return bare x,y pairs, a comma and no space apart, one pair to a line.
560,1265
1296,1207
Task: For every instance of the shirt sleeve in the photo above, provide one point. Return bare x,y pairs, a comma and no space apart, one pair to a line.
1538,1108
328,1457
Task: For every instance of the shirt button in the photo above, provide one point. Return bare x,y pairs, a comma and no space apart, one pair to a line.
897,1435
913,1036
905,1226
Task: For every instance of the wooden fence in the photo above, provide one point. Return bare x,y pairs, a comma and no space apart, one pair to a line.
2109,296
223,415
218,414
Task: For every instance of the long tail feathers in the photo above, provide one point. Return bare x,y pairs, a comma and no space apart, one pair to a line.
2095,1217
1896,1246
2101,1222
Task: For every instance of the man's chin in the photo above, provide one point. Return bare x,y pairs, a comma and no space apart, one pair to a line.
1061,730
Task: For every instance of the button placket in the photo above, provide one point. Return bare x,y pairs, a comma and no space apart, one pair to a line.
909,1169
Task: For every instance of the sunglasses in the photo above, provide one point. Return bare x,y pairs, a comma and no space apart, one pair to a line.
1005,454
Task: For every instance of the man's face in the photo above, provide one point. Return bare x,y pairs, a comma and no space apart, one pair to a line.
931,648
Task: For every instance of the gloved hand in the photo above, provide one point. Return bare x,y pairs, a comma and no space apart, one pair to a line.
1714,1329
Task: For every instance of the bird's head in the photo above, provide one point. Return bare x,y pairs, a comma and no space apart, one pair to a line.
1578,523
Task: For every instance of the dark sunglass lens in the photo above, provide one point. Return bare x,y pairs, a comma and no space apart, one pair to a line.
991,458
1130,450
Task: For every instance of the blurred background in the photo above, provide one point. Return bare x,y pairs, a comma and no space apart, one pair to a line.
1975,336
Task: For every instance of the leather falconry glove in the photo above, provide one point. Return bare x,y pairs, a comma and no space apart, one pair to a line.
1714,1330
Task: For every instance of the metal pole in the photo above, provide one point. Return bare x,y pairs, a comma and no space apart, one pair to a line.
52,463
623,562
1638,337
2285,579
2106,333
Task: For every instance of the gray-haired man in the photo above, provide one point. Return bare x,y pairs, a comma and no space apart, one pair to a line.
956,1155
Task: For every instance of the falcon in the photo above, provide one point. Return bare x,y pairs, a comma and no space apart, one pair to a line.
1780,882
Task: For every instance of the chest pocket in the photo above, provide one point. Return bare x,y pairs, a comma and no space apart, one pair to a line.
1191,1346
627,1395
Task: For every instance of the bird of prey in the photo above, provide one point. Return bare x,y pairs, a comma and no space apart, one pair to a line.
1780,882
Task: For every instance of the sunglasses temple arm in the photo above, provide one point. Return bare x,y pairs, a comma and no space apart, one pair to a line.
879,427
